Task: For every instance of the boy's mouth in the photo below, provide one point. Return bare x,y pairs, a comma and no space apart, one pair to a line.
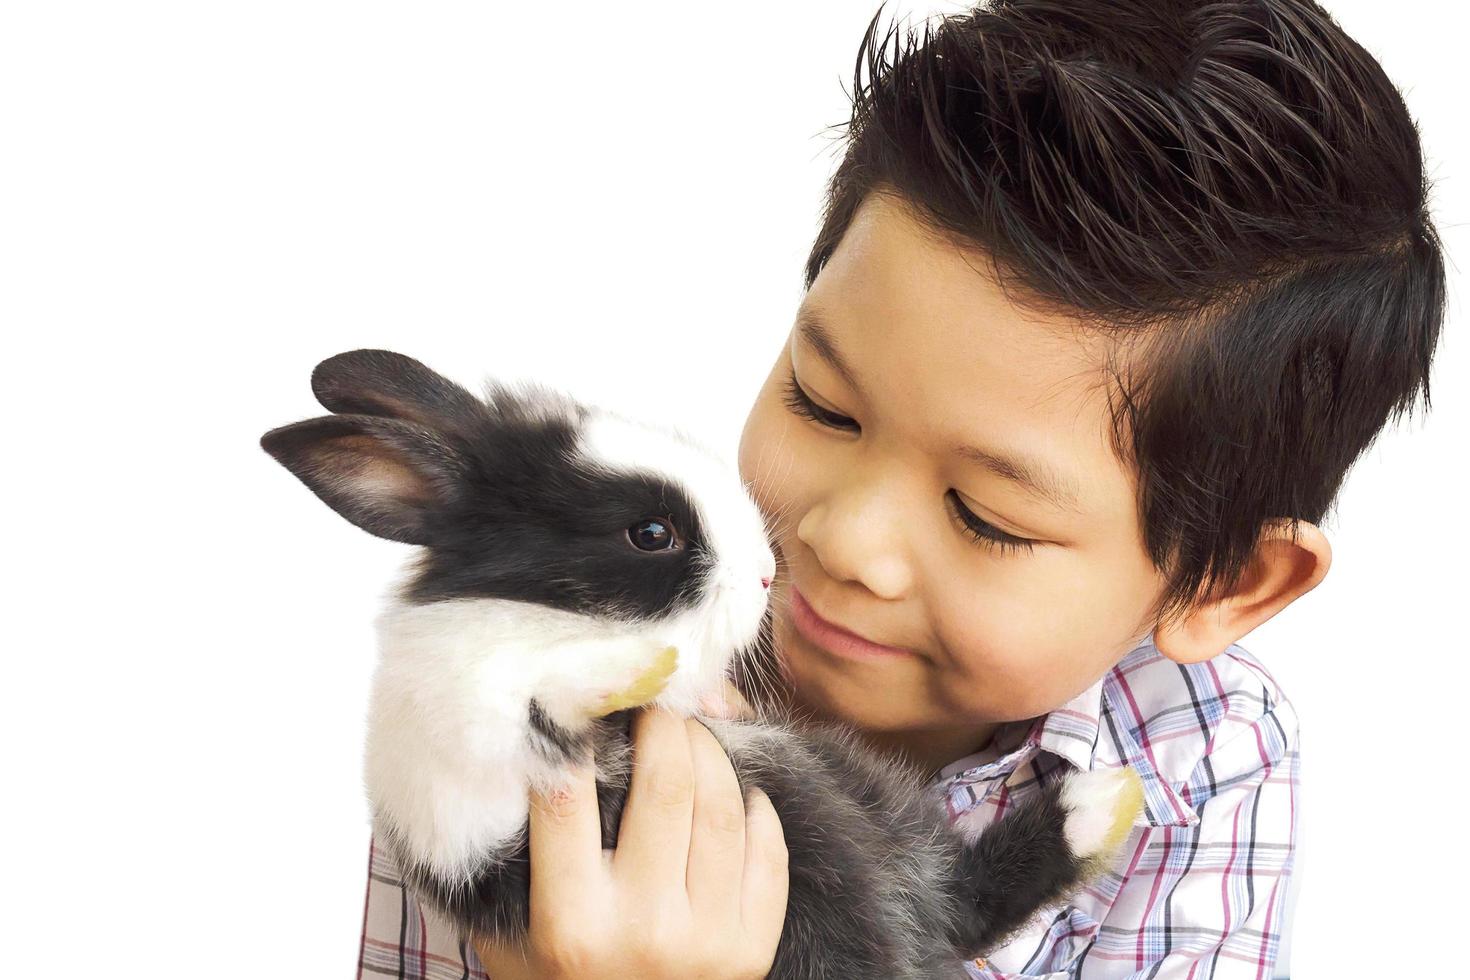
836,639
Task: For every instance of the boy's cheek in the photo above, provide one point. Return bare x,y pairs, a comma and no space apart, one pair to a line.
1023,665
1015,689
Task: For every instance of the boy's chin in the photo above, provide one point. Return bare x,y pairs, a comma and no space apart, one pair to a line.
832,691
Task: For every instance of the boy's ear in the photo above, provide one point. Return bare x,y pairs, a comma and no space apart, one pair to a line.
389,477
1285,566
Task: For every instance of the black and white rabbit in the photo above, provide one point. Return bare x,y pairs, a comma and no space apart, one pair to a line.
574,564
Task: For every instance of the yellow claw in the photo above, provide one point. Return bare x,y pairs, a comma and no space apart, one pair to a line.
1127,808
648,685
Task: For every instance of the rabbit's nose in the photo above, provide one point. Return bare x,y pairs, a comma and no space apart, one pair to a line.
765,582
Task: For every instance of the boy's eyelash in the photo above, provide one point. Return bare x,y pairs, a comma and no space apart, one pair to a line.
976,527
801,403
985,532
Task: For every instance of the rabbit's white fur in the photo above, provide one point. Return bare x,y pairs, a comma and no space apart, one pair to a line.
450,752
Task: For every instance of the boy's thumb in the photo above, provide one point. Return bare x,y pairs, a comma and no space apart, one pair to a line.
727,702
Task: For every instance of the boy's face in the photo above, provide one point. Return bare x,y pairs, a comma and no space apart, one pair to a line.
867,514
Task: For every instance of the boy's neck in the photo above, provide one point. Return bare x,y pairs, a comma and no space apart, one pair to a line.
927,750
931,750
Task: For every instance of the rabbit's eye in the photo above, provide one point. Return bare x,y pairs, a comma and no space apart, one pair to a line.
652,534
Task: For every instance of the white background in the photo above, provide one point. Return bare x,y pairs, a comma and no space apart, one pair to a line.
199,201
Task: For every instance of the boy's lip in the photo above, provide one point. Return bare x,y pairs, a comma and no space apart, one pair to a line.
837,639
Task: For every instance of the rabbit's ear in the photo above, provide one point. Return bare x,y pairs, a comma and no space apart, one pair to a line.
388,477
381,382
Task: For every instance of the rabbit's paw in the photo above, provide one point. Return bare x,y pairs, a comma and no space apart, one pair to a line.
646,686
1101,806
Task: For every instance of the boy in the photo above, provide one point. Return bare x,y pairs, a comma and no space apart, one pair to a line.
1106,300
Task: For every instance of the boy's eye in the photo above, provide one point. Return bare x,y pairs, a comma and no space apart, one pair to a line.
973,525
801,403
986,533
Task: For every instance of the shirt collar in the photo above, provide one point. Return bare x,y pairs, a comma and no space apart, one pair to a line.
1072,732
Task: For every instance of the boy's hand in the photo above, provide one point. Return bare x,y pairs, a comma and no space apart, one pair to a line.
696,887
728,703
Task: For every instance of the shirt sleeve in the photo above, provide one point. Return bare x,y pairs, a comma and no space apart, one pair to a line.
403,940
1205,902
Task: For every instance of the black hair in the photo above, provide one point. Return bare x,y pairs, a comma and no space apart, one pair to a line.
1235,190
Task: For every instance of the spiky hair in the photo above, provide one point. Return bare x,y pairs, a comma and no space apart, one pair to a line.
1235,190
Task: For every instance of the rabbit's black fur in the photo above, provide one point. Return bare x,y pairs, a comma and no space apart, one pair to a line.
535,515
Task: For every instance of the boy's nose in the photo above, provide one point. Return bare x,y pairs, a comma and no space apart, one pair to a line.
765,582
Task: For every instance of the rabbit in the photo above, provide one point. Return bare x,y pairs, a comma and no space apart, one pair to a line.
573,564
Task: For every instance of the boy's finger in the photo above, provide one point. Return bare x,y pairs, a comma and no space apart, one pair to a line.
502,962
728,702
767,878
566,839
653,836
717,836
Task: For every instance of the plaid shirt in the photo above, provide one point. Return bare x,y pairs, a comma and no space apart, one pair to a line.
1197,892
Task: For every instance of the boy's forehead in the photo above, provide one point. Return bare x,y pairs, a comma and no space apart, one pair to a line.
904,268
924,325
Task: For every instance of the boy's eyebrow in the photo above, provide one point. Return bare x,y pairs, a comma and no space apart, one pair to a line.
812,328
1033,476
